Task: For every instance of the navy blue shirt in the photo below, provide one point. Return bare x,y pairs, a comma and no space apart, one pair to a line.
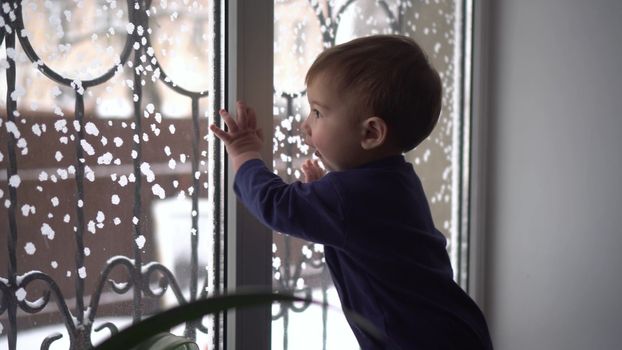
387,260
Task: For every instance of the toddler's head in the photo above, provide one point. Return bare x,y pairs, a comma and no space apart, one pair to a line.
387,76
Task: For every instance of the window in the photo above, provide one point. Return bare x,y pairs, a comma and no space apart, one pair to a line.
302,30
114,200
111,195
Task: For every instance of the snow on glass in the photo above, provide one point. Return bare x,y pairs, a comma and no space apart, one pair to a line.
302,30
81,41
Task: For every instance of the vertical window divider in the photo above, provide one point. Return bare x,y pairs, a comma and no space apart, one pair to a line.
479,128
249,70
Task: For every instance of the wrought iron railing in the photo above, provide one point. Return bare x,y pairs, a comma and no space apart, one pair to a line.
79,319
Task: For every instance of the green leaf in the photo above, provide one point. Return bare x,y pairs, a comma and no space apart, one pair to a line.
164,321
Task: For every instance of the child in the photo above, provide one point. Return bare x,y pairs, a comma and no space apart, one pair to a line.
371,100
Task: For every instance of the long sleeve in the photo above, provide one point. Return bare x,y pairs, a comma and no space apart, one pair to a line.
312,211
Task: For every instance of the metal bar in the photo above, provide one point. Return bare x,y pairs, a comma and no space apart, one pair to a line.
217,154
137,156
190,331
11,108
79,232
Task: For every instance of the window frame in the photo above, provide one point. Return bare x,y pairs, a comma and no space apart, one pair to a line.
248,248
249,77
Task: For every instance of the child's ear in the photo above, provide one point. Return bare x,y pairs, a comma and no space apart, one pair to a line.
374,131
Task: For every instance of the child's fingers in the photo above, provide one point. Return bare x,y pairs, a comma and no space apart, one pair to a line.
240,109
252,119
231,124
221,134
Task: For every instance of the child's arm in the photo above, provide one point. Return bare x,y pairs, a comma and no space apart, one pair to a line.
243,140
309,211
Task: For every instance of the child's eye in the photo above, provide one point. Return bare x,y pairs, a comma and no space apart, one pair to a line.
316,113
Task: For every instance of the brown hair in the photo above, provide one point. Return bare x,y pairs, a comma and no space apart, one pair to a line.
391,76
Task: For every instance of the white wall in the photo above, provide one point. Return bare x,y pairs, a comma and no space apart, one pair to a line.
554,219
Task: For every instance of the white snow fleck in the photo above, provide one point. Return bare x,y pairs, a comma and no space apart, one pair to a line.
105,158
172,163
12,128
82,272
118,141
36,129
171,128
27,209
145,168
115,199
14,181
100,216
135,220
158,191
130,28
54,201
17,93
61,125
77,85
68,274
66,218
58,156
140,241
30,248
91,226
116,221
167,150
89,174
104,140
62,173
76,125
87,251
43,176
54,264
150,108
87,147
47,231
91,129
20,294
123,181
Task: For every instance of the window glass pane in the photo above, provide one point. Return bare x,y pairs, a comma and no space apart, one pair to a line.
302,30
109,186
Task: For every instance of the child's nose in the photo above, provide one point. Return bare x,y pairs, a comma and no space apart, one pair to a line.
305,130
304,127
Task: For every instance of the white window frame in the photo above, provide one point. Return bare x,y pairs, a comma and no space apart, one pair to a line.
249,77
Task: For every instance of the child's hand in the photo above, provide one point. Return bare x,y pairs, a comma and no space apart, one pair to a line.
243,140
312,170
